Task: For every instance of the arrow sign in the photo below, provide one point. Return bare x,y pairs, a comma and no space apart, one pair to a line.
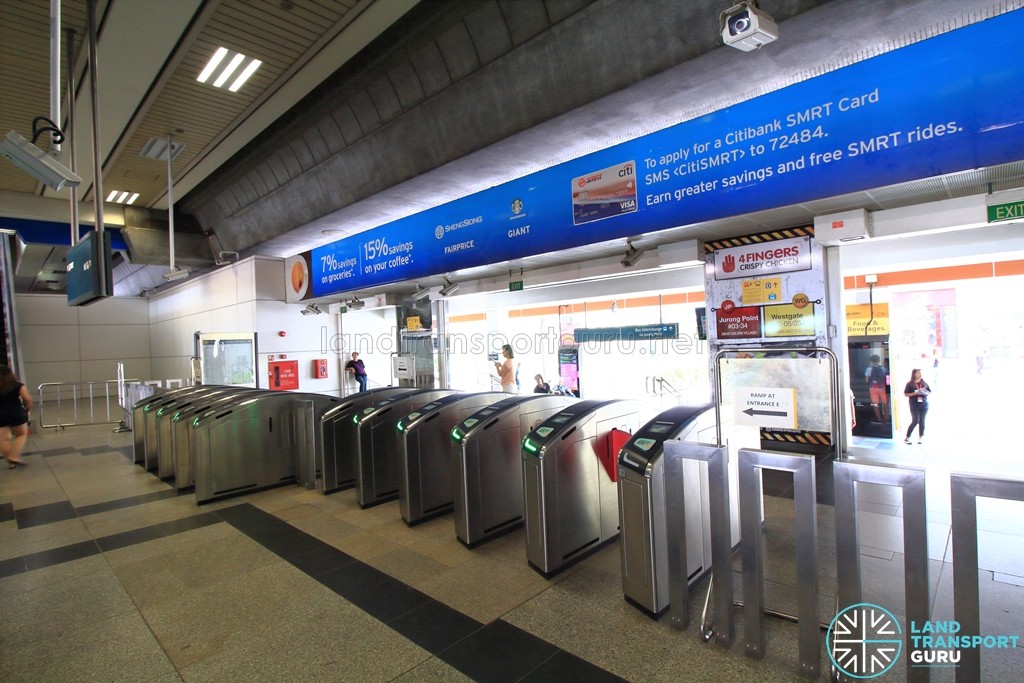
773,407
776,413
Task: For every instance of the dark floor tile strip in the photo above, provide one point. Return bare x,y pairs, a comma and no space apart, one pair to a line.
121,503
60,511
44,514
496,652
76,551
6,512
95,450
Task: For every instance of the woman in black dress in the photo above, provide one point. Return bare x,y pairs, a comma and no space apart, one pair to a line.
15,405
917,391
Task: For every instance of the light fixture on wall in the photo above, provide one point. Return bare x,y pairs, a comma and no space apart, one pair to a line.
420,293
226,257
449,288
632,256
311,309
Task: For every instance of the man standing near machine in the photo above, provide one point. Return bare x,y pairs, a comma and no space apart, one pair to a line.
358,370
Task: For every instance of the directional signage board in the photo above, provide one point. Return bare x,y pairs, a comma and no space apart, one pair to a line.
934,107
766,407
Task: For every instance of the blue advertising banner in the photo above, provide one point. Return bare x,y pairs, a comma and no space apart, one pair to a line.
939,106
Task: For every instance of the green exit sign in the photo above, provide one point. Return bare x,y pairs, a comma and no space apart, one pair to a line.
516,286
1006,212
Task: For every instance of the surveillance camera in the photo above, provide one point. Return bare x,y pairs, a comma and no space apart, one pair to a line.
632,256
176,273
37,163
745,27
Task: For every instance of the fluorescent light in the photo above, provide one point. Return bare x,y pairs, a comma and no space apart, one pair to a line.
215,60
228,70
121,197
244,76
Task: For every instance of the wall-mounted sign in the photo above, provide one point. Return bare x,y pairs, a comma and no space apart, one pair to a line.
931,108
781,256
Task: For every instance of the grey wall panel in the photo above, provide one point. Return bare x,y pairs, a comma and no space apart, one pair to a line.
407,86
489,33
365,112
384,99
431,69
458,52
524,19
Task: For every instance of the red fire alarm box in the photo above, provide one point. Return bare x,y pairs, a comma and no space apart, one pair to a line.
284,375
320,368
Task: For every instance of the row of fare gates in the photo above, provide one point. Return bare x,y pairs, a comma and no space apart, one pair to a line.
577,473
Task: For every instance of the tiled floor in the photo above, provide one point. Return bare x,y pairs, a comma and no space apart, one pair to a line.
107,574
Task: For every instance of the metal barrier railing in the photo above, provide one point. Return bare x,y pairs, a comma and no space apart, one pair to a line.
79,403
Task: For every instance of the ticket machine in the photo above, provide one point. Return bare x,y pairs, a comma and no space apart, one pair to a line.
487,464
425,453
571,502
377,443
644,543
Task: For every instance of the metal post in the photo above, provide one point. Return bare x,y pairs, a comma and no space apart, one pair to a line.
717,459
915,539
965,489
751,461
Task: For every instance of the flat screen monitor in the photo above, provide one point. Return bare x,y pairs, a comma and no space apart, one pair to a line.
89,275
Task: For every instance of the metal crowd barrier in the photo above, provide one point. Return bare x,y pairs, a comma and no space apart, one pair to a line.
67,404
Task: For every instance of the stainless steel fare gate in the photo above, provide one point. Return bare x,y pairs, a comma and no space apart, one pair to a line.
965,489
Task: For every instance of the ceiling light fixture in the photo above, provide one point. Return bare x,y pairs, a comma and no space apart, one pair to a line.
122,197
449,288
231,62
156,148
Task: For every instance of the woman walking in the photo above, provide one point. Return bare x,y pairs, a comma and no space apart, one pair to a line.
15,405
917,390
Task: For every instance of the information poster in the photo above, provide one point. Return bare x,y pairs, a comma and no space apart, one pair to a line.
768,287
228,358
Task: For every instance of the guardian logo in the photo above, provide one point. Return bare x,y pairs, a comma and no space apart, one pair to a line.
864,640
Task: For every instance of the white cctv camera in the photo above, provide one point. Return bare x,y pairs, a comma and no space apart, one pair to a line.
37,163
745,27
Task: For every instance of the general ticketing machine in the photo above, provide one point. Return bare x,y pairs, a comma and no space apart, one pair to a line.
487,464
145,425
339,435
425,453
377,443
643,542
251,443
571,501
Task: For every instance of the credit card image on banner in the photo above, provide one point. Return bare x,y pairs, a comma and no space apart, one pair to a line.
604,194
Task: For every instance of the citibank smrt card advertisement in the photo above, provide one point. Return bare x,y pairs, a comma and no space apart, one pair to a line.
604,194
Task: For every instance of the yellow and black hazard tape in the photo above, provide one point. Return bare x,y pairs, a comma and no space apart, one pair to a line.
760,238
816,438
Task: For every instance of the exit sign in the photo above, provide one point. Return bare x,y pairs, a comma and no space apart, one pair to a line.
1006,212
516,286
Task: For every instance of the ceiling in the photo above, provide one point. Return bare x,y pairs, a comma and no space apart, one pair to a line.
151,52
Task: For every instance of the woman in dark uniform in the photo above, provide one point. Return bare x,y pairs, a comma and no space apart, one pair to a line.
917,390
15,405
